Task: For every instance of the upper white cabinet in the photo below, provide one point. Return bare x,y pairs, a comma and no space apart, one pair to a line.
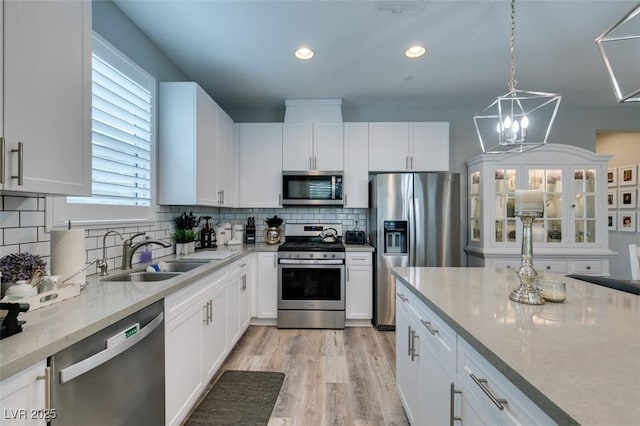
260,164
191,124
356,171
414,147
572,235
312,146
46,87
225,160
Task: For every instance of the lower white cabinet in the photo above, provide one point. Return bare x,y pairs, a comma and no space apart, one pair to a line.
203,321
22,397
359,286
443,380
267,285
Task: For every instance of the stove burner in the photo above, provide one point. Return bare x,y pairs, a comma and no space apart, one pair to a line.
311,246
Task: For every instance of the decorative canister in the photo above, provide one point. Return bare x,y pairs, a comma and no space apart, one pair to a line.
272,235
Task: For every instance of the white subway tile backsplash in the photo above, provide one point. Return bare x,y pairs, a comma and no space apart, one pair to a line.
20,203
10,219
20,235
28,218
41,249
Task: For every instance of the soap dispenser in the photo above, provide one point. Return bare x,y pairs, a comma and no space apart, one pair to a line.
146,255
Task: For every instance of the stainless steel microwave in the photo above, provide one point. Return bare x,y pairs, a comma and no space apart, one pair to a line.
313,188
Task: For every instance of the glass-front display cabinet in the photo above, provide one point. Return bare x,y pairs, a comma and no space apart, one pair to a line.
570,237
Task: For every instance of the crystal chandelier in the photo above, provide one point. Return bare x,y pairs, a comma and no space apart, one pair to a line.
518,120
620,49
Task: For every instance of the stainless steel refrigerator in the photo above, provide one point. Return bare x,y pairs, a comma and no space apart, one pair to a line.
414,220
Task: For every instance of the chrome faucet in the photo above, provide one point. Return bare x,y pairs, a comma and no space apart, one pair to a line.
101,265
128,248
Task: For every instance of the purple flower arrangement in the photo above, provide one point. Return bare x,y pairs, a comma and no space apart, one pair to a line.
20,266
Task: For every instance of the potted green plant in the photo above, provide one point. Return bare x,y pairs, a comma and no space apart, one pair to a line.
185,233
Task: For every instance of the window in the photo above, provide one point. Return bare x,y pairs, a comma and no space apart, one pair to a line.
122,146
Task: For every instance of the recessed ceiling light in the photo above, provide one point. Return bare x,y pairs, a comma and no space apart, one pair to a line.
304,53
415,51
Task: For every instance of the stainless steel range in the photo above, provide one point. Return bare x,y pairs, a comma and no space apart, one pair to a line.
311,277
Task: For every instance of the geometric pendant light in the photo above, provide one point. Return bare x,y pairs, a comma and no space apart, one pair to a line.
518,120
620,49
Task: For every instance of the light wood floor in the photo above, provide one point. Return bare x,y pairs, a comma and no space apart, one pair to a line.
333,377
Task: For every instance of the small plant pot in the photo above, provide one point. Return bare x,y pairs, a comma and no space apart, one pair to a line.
183,249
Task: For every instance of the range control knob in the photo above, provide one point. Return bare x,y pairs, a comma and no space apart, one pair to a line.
310,254
324,255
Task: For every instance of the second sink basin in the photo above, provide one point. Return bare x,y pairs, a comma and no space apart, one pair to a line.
136,277
183,265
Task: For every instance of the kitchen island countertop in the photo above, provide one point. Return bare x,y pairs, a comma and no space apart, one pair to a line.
579,360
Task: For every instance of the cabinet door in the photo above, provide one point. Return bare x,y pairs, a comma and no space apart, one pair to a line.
233,306
206,128
388,147
260,164
297,146
22,393
429,147
47,96
268,285
434,388
328,146
359,292
243,305
356,171
224,158
214,336
183,352
406,367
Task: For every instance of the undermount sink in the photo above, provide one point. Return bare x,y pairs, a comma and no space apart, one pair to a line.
137,277
183,265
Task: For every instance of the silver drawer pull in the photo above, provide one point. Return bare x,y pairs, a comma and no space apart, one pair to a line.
429,327
499,402
402,297
452,417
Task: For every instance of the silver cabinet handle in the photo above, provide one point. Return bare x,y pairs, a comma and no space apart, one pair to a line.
222,190
100,358
280,200
402,297
429,327
205,308
345,199
47,388
1,160
315,162
20,175
406,162
414,354
498,402
244,283
452,416
275,260
348,273
411,162
409,341
210,310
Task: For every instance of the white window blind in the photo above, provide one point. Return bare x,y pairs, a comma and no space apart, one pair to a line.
121,137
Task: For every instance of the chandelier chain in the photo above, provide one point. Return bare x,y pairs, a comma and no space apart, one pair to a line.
513,82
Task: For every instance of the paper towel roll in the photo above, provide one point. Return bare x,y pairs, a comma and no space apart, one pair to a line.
68,255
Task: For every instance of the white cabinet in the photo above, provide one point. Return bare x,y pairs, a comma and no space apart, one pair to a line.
195,341
356,171
497,401
225,160
238,298
572,235
359,286
406,361
415,147
215,316
187,148
312,146
45,130
22,397
260,165
268,285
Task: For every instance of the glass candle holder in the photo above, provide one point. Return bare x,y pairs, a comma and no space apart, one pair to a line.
527,293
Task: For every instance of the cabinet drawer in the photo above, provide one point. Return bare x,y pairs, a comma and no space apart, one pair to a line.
181,300
359,259
586,267
438,336
240,266
508,264
557,267
477,373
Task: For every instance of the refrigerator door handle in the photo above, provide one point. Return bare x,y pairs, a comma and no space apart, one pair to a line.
411,231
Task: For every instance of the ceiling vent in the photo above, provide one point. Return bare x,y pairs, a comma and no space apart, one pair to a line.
313,111
401,6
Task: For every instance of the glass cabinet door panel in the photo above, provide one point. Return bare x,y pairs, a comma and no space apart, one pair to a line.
554,231
590,180
548,181
505,187
584,205
474,206
511,231
475,183
590,210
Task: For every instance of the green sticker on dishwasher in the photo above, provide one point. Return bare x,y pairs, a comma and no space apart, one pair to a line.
130,332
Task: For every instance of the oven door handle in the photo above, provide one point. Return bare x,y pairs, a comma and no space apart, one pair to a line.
311,262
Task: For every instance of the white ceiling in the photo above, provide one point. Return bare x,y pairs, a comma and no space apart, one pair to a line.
241,51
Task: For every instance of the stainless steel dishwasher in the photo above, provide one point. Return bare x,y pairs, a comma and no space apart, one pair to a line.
114,377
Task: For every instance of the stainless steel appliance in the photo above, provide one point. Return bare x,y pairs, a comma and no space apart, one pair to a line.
114,377
312,188
311,277
414,220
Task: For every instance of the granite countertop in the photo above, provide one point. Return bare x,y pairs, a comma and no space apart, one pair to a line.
579,359
55,327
